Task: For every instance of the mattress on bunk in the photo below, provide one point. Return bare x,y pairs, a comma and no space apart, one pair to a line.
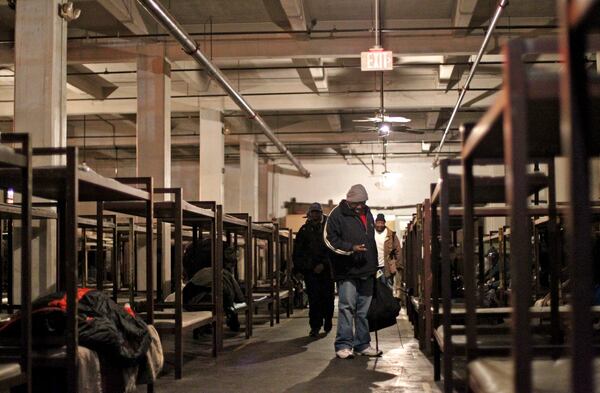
495,375
260,298
9,370
188,319
497,338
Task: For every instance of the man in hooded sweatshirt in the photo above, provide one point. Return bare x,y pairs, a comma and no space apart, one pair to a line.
311,259
350,234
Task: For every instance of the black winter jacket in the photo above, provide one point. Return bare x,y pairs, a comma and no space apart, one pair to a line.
310,249
343,230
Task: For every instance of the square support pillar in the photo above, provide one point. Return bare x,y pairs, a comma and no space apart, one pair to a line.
154,137
263,191
248,176
40,110
212,156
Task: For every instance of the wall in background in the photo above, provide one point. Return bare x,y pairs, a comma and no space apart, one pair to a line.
332,179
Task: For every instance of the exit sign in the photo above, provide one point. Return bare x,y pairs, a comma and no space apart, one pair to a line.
377,60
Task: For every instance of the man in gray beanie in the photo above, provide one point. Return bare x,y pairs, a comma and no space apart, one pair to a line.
350,234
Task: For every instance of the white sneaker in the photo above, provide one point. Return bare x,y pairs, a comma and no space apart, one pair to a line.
370,351
344,353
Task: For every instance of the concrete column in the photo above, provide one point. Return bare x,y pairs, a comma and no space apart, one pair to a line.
185,174
212,156
232,189
274,204
40,109
248,176
154,135
263,191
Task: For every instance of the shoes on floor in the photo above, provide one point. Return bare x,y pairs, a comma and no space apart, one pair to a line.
314,333
370,351
344,353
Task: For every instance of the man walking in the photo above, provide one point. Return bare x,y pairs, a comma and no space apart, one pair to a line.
388,251
311,259
349,233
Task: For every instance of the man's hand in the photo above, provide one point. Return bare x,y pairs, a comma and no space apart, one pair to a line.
319,268
359,248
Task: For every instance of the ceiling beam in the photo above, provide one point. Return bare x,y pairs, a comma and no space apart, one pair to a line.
276,46
297,14
94,85
304,102
335,122
127,13
463,12
450,74
197,80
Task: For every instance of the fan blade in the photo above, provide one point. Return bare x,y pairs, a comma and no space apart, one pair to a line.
409,131
368,120
366,128
396,119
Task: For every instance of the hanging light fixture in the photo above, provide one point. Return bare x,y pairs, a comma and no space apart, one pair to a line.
388,179
384,130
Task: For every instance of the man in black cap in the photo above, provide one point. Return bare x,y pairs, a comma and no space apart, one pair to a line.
388,251
349,234
311,259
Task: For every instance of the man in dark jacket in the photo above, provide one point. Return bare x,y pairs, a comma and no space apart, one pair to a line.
311,259
350,234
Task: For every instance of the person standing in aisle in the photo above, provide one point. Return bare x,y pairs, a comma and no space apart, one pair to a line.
388,251
311,259
350,235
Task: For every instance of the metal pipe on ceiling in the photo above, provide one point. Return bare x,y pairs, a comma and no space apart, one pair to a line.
190,46
488,35
328,31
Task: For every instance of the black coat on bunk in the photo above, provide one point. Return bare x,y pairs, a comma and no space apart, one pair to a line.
104,326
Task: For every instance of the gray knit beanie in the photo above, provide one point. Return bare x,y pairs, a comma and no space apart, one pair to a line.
357,193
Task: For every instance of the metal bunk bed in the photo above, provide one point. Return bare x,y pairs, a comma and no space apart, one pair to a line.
286,292
68,185
265,292
89,224
169,317
15,360
128,234
446,213
526,118
236,226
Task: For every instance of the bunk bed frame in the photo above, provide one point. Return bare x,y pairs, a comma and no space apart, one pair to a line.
15,361
235,225
286,244
265,294
168,317
525,118
67,185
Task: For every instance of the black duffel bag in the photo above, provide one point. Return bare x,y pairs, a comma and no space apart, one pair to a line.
384,308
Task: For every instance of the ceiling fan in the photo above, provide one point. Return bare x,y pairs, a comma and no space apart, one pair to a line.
384,124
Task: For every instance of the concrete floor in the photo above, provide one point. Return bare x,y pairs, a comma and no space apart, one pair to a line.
285,359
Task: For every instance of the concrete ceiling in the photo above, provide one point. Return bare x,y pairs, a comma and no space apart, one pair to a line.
308,86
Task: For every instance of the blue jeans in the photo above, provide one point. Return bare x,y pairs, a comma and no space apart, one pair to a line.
354,301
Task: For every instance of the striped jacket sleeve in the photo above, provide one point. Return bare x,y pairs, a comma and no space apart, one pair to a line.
332,235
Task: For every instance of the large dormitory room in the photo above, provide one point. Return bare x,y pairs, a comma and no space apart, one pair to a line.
300,196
